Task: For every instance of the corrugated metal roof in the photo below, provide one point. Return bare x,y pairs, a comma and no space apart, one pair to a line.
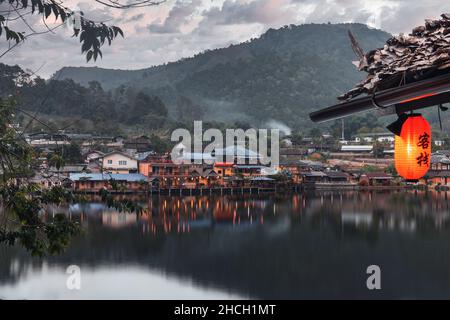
249,166
378,175
262,179
130,177
238,151
357,148
439,158
337,174
313,174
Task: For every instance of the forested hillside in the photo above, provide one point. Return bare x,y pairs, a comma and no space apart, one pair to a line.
283,75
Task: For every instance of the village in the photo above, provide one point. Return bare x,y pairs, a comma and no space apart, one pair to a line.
129,165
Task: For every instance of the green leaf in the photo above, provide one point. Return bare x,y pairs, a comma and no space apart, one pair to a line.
89,55
86,46
55,9
120,31
48,10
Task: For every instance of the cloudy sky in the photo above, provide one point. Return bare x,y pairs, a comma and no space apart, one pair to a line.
182,28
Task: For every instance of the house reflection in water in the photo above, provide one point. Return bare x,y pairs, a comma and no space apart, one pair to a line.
118,219
267,246
363,211
183,214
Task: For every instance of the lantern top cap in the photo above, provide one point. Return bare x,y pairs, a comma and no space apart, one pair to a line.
414,114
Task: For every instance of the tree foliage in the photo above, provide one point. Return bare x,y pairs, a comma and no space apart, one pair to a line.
21,202
106,110
282,75
92,35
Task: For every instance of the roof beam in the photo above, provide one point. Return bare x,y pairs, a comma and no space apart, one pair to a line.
416,95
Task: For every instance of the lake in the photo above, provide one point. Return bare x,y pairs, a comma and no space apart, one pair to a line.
309,245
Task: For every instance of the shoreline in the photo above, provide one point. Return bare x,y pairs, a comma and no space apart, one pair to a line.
248,190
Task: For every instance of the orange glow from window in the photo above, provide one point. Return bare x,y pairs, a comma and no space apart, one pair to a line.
224,164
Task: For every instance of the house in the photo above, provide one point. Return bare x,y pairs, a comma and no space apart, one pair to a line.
384,137
65,171
119,163
94,182
48,181
206,177
441,177
337,177
82,139
94,167
196,157
115,142
375,178
293,152
293,167
138,145
313,176
439,143
308,165
439,161
439,172
93,155
246,170
142,156
262,182
357,148
183,155
237,154
224,169
168,173
47,140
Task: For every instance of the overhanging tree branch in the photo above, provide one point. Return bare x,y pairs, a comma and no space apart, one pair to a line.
92,35
129,4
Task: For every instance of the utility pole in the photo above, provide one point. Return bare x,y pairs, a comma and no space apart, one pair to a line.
343,135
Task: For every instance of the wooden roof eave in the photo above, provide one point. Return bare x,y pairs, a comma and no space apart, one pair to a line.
416,95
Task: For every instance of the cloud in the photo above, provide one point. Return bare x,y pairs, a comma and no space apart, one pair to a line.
179,15
264,12
135,18
93,12
182,28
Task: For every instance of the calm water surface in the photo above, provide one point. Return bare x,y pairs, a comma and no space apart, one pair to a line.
311,245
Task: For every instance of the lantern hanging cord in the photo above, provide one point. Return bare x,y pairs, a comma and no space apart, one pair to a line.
440,109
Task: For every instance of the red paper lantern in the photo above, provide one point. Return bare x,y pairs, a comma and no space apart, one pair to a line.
413,148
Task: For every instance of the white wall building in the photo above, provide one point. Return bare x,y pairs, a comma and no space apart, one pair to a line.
119,162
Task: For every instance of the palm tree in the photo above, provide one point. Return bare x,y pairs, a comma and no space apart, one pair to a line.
56,161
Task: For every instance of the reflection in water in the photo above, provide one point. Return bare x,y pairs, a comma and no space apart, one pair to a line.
310,245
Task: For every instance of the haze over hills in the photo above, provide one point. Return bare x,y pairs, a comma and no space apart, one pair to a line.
282,75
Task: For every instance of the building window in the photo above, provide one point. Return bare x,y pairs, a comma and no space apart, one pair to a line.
122,162
109,161
155,170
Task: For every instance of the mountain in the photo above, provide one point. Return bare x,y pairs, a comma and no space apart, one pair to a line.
282,75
